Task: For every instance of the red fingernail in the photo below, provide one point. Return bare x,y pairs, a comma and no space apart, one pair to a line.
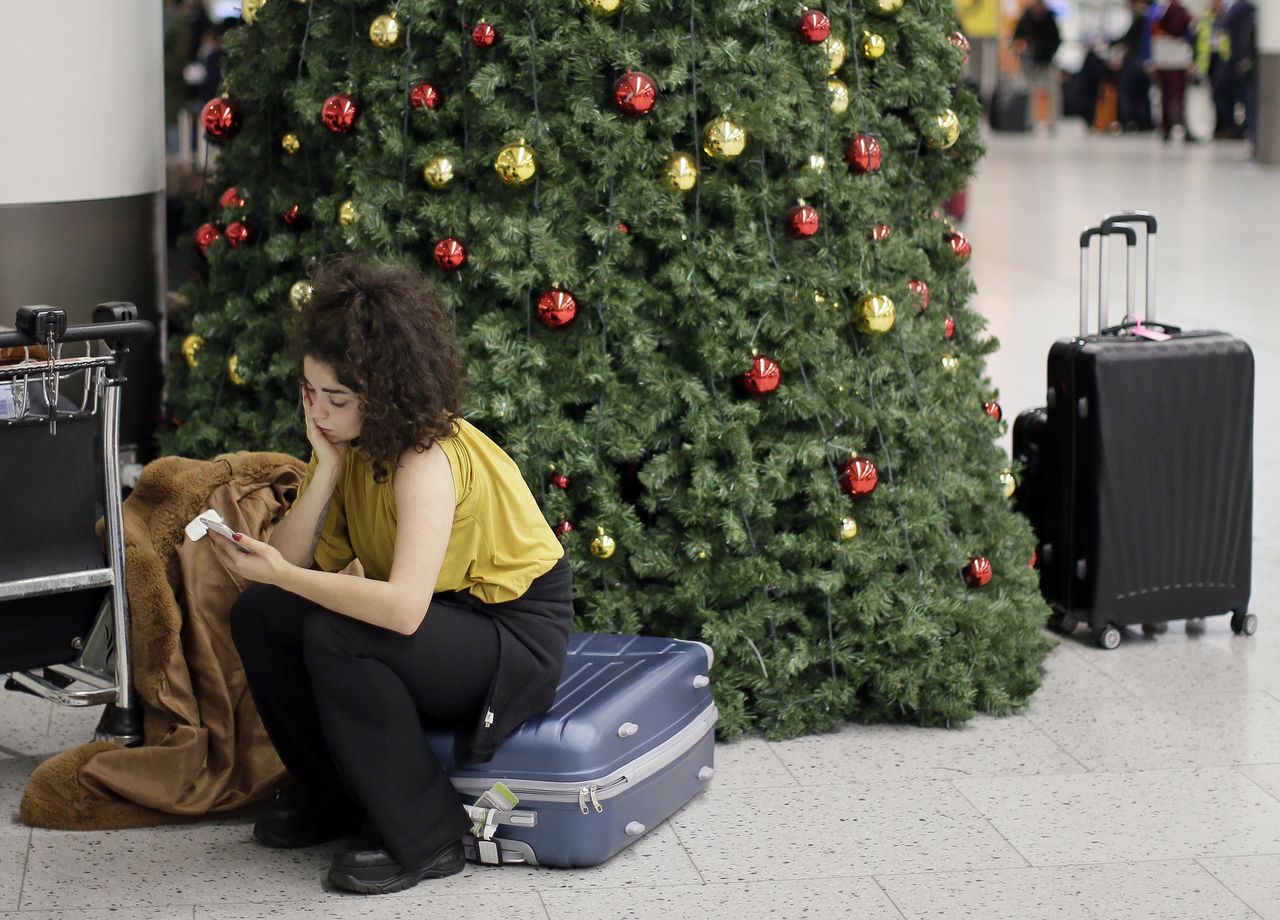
239,537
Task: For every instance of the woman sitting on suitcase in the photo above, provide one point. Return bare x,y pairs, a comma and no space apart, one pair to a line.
464,612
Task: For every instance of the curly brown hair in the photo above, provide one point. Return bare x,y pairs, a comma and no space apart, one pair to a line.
383,330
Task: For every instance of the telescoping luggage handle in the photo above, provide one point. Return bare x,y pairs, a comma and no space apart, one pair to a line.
1131,244
1147,220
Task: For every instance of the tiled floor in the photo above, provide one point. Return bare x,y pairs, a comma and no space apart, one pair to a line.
1141,783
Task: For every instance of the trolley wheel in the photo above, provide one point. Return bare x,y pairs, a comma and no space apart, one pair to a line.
1244,624
1107,637
1154,629
1063,623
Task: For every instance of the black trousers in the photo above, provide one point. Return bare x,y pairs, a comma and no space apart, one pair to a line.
343,701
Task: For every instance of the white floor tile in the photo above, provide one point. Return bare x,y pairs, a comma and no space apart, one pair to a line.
1117,817
750,762
134,913
1265,775
1158,732
837,828
1255,880
1134,891
13,857
210,865
424,901
904,753
818,899
1069,674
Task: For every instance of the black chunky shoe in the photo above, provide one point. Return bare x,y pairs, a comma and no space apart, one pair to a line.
295,818
375,871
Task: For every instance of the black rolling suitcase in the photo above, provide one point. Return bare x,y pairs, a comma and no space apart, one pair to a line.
1011,107
1138,473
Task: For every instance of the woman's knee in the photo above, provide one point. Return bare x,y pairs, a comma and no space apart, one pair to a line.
254,610
327,633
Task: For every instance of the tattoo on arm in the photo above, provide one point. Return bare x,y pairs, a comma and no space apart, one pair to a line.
315,538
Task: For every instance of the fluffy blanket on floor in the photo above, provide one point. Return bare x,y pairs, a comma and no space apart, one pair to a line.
204,749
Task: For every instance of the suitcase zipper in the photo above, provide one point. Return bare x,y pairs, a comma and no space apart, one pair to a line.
589,796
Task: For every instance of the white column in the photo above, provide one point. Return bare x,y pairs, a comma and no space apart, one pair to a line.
82,172
1268,150
84,100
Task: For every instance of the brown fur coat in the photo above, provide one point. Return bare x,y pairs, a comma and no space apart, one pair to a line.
204,749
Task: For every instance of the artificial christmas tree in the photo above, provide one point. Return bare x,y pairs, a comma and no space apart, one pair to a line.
622,202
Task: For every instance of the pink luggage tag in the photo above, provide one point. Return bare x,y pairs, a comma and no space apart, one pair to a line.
1138,329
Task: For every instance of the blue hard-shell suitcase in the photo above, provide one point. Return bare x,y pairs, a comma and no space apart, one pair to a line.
628,741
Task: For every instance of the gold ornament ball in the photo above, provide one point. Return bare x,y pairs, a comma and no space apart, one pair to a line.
1008,483
191,346
438,172
602,545
235,373
817,162
944,131
834,49
848,528
873,46
299,294
680,172
385,31
290,143
602,7
516,164
886,7
250,9
837,95
874,314
723,139
347,213
950,362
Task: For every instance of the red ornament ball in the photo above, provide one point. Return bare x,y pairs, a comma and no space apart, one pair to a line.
949,328
921,292
803,221
993,409
221,119
559,480
563,528
978,572
959,244
450,254
425,96
231,198
863,154
484,35
238,234
634,93
1035,559
339,113
557,308
290,215
958,41
860,477
206,236
813,27
623,228
881,232
763,377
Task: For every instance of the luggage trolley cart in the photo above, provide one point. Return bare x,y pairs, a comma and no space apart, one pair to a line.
64,614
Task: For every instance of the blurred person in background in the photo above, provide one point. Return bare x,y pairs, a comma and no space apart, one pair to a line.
1036,36
1239,20
1133,87
1213,50
1172,57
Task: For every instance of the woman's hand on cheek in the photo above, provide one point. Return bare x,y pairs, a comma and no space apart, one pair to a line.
249,559
328,455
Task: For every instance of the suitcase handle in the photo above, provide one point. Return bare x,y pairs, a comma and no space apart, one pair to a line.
1086,236
1130,324
1147,220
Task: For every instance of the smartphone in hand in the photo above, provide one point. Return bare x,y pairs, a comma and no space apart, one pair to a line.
221,529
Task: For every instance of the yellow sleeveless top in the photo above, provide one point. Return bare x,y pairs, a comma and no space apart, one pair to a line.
500,540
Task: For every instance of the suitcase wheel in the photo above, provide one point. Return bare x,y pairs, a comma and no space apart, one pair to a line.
1107,637
1244,624
1063,623
1154,629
